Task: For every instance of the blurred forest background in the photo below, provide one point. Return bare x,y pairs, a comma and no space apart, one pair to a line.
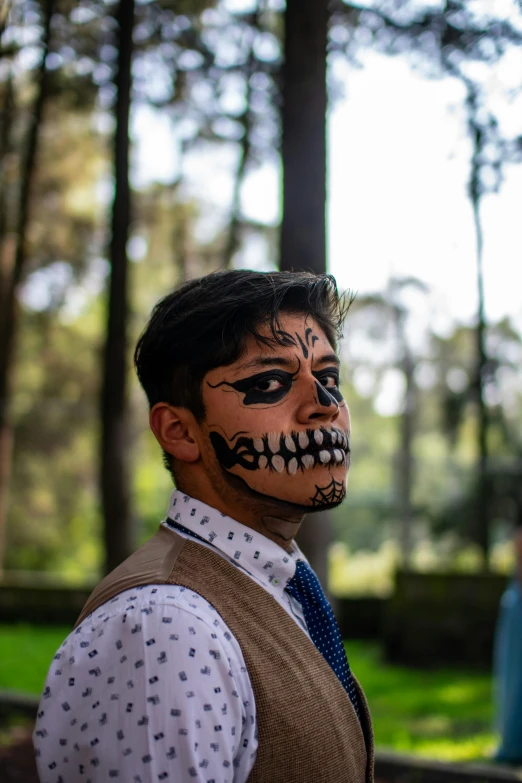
89,242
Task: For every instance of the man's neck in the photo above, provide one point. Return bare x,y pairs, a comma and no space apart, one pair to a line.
279,525
279,529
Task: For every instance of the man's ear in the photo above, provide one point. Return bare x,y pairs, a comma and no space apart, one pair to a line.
175,430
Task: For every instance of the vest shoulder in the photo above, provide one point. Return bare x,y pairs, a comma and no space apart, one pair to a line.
152,564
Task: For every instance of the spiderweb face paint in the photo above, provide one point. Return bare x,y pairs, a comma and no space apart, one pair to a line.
276,419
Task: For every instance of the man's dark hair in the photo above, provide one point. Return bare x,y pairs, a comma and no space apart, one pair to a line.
205,322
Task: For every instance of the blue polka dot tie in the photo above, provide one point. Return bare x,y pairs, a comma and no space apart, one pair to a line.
305,587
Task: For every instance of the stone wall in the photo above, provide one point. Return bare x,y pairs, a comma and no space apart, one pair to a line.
41,605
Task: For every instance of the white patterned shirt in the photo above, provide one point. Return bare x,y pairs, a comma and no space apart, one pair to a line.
153,686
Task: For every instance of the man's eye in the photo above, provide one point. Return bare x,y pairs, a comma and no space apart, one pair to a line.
268,385
329,381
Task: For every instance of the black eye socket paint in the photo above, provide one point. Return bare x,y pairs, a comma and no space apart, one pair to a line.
335,392
256,396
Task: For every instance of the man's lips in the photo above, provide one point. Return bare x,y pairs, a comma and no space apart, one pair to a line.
293,451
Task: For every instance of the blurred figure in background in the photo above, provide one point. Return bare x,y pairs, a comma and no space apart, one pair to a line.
508,662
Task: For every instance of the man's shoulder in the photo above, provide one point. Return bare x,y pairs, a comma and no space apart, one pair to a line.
148,600
161,610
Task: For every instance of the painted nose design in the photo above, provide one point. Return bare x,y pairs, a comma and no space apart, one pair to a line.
323,397
318,404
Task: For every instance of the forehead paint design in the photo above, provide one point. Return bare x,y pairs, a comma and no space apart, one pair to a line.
288,339
279,451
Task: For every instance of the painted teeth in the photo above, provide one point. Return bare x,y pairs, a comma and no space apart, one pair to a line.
263,462
333,435
273,442
324,456
292,466
303,440
307,461
278,463
290,445
338,455
318,437
258,444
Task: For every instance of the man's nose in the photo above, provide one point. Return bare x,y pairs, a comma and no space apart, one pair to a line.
317,403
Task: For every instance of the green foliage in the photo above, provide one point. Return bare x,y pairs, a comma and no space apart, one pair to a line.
364,572
444,449
53,512
67,212
368,571
153,485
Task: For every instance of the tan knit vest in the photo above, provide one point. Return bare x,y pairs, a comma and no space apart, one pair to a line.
308,730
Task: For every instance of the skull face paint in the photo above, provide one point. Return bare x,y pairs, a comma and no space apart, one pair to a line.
276,419
280,452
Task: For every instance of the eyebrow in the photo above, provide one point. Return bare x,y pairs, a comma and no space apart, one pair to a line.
328,357
267,361
284,361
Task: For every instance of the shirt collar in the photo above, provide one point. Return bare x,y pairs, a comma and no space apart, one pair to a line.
255,553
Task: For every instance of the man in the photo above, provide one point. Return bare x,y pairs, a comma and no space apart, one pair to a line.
212,654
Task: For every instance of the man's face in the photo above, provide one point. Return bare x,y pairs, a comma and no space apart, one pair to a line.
276,420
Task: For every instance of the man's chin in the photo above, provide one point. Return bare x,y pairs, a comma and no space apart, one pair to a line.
323,489
316,508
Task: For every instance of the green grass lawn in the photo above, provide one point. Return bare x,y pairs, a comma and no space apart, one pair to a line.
25,654
443,714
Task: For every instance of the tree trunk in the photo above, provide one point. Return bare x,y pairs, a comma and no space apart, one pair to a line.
245,119
13,262
483,520
482,525
405,461
6,208
5,8
234,227
114,479
303,229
